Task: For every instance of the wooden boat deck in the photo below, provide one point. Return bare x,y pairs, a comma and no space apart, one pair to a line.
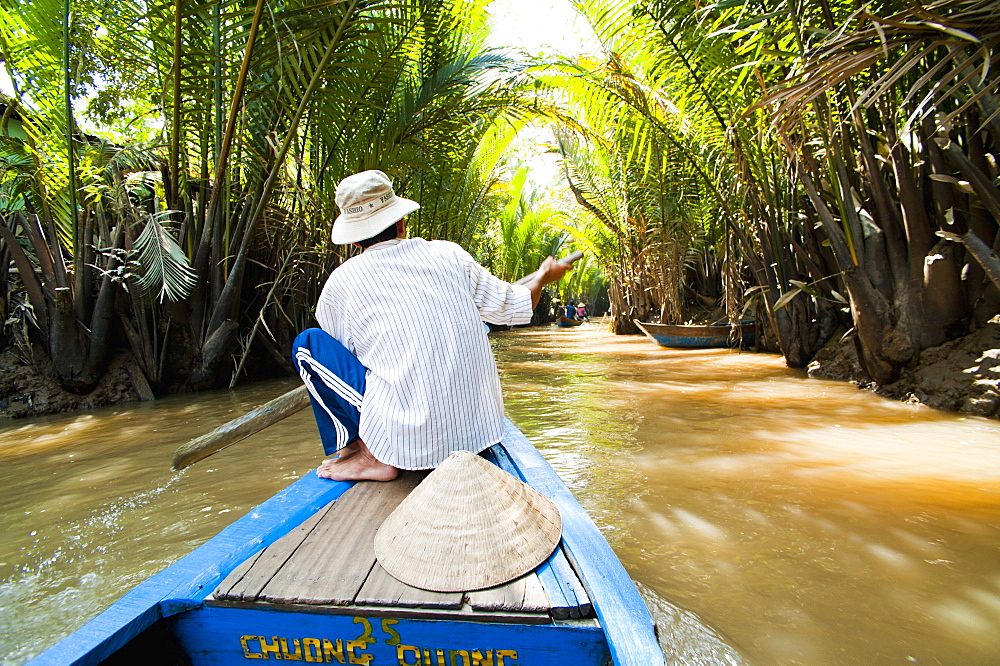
328,564
170,611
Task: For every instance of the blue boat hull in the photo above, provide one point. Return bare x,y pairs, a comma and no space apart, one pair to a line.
169,613
699,337
223,636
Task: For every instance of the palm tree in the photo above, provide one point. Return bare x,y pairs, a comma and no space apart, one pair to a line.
834,145
68,223
639,171
888,122
298,95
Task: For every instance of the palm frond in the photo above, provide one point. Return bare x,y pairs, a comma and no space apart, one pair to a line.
163,270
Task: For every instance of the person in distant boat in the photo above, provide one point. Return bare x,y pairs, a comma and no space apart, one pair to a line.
391,392
570,311
581,311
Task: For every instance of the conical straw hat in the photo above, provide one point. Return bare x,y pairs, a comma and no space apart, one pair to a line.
468,526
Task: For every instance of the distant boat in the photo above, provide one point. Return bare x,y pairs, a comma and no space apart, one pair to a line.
566,322
697,336
297,579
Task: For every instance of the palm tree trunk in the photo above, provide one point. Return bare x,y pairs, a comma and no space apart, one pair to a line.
220,323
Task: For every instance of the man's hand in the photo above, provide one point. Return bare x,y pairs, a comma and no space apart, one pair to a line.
551,270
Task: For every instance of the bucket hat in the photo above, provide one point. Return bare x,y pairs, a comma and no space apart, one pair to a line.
368,205
468,526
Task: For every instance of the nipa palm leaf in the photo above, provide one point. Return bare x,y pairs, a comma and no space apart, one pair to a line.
163,269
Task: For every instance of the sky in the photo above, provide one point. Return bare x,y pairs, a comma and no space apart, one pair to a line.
541,26
537,26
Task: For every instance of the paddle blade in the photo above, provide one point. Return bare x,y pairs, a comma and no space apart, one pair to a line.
241,427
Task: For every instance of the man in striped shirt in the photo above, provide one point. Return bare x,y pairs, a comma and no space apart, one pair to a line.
401,373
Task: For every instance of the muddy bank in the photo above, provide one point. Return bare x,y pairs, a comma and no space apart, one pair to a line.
962,375
29,386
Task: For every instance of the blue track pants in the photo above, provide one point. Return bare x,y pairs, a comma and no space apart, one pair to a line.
336,382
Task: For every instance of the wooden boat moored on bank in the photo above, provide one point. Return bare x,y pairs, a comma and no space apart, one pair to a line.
297,579
690,336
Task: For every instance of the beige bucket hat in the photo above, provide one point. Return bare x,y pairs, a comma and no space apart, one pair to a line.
368,204
468,526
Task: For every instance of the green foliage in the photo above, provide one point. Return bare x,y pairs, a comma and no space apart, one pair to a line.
798,151
16,175
715,153
247,116
525,228
164,269
640,170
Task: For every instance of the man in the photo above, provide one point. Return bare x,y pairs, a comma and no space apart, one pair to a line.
401,373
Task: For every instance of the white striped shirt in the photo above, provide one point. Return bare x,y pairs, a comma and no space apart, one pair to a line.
411,311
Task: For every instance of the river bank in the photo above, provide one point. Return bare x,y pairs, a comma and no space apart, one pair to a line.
962,375
30,387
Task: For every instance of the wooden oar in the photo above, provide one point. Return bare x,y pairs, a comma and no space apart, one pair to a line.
266,415
568,259
242,427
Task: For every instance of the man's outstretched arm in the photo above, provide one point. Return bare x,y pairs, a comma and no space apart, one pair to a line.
551,270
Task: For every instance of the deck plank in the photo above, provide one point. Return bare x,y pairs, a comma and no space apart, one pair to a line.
331,566
330,561
225,588
465,613
247,580
535,599
381,589
524,594
616,601
561,603
564,604
502,597
567,595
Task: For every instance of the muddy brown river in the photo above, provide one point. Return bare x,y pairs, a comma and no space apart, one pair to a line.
767,518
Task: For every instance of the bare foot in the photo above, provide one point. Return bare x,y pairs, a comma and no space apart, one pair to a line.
342,454
360,465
